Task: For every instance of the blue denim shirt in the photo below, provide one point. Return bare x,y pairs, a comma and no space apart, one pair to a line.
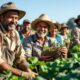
57,40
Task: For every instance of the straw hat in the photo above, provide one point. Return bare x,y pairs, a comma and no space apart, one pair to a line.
56,24
78,18
10,6
44,18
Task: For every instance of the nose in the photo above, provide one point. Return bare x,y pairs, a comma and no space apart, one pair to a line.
14,21
42,28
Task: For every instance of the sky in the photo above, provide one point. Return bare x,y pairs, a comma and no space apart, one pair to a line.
58,10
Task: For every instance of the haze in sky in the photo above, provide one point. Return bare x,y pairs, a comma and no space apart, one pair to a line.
59,10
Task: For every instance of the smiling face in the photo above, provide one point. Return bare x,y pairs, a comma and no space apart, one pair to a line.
27,26
53,31
11,19
64,31
42,29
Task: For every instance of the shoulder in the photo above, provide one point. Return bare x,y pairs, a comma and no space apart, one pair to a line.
76,29
29,38
59,36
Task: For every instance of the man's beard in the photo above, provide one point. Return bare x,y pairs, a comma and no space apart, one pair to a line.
11,27
42,35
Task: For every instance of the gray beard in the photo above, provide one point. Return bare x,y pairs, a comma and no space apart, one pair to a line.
11,27
41,35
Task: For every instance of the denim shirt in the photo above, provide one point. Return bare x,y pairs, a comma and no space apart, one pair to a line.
57,40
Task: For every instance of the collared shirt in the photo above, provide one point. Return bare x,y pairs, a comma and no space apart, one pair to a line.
24,35
12,47
33,47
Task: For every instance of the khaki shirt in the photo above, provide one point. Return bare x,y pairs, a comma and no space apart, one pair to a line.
11,48
1,60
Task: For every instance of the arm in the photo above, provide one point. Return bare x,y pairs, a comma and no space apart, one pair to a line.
27,75
5,66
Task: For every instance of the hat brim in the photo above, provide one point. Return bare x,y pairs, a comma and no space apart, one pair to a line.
76,20
20,12
33,24
63,28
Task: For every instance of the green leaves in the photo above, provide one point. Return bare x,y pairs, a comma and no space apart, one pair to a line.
33,60
10,76
76,49
59,69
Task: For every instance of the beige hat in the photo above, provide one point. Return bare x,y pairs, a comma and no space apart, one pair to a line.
42,17
10,6
64,25
56,24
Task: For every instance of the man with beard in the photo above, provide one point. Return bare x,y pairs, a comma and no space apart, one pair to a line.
12,50
76,32
34,44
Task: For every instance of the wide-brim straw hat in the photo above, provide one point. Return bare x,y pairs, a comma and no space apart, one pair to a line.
77,19
10,6
56,24
44,18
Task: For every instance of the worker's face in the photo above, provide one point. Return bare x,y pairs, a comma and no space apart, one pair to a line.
11,19
42,29
27,26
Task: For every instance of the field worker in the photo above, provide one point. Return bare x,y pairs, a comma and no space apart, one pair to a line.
12,49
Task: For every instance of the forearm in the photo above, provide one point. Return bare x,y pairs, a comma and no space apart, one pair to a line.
5,66
23,65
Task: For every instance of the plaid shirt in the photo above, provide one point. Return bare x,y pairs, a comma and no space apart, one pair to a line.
33,47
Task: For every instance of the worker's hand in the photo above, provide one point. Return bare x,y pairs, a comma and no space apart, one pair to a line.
29,75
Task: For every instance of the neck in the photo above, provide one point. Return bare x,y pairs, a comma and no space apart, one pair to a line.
41,39
25,31
53,36
63,34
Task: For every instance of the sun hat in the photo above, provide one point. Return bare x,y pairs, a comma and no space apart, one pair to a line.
64,25
77,19
26,21
56,24
10,6
44,18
